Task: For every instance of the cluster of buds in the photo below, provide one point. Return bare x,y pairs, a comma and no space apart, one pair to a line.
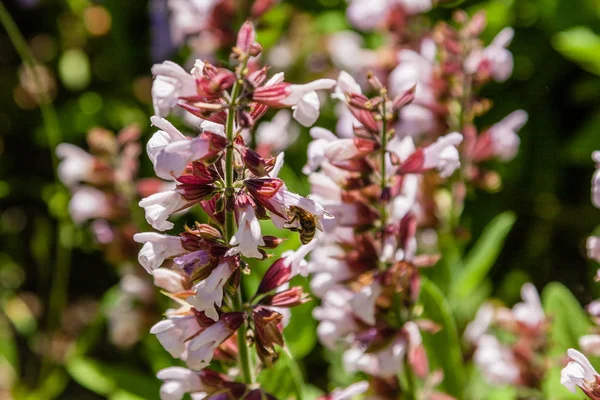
104,192
202,268
366,269
517,359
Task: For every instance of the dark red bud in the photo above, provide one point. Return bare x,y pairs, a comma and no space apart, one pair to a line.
278,274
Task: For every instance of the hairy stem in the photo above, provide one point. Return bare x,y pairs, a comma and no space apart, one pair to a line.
244,359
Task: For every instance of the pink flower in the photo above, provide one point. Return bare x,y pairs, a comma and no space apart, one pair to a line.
157,248
76,166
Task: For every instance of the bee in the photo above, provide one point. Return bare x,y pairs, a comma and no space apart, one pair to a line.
300,220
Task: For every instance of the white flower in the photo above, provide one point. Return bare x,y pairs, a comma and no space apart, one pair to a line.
479,326
346,84
333,314
279,133
304,101
363,302
505,140
169,280
248,236
178,382
590,344
175,156
316,149
296,260
592,245
170,83
160,206
89,203
188,17
77,165
414,69
530,311
349,392
578,372
416,6
201,348
173,333
346,52
500,59
367,14
157,248
384,363
209,291
167,135
443,155
496,362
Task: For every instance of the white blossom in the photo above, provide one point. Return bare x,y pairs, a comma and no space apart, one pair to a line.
157,248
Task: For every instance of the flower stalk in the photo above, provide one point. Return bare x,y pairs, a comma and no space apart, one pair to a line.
245,361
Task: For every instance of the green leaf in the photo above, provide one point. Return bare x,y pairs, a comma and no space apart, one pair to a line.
109,379
443,347
569,320
580,45
482,256
90,374
569,323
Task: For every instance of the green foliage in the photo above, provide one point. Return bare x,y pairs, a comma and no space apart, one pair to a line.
443,347
482,256
569,323
112,380
580,45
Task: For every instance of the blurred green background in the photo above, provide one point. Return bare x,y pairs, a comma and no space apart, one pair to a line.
95,59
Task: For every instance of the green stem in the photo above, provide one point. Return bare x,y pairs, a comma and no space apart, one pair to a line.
244,358
59,286
384,140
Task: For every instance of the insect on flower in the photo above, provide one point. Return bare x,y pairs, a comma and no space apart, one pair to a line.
303,222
